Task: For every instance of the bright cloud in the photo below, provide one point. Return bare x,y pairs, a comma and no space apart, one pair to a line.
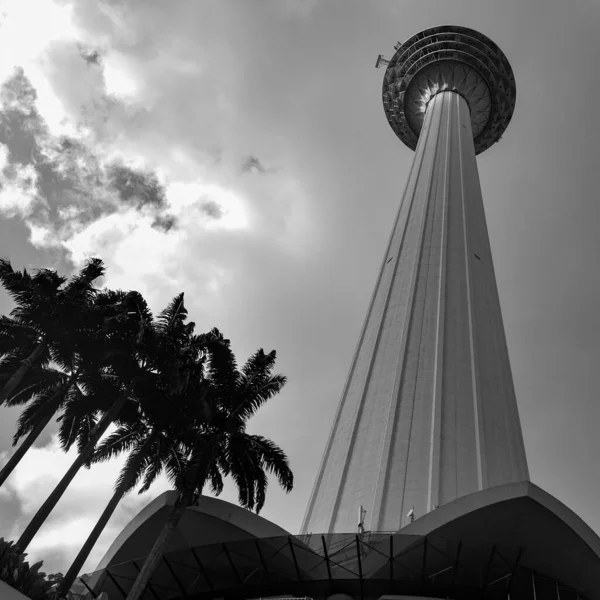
213,205
78,510
18,188
25,39
141,247
118,77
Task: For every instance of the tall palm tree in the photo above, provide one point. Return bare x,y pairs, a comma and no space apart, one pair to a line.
46,320
216,444
110,388
152,439
150,450
82,459
49,389
140,358
37,415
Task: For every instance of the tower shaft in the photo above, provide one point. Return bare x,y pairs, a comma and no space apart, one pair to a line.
428,412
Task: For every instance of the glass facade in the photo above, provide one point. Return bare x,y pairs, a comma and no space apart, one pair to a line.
316,566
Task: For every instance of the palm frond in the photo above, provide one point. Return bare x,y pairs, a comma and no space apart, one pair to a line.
215,479
221,364
76,419
173,315
136,464
80,285
35,380
38,410
250,400
272,459
115,443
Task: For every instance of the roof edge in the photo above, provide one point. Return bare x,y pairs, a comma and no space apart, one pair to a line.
243,519
446,513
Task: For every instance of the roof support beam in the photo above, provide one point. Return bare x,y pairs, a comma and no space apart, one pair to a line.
295,559
424,567
455,570
172,571
514,570
489,566
262,560
326,555
391,557
89,589
149,586
499,579
412,548
118,585
360,573
237,575
203,571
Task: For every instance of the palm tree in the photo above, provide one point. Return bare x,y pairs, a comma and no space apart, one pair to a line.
45,322
142,359
50,389
110,388
83,458
151,439
216,444
37,415
149,451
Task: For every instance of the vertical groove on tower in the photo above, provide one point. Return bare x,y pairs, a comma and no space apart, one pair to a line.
472,342
434,461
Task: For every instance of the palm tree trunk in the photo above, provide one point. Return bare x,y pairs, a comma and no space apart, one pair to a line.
160,545
80,559
20,452
45,415
46,508
17,378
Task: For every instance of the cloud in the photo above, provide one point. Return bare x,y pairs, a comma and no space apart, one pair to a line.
132,185
212,209
92,57
18,187
253,165
124,176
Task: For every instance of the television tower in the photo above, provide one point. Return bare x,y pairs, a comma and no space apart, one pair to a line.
428,413
427,438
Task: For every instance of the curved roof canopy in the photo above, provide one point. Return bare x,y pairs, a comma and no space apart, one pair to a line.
512,539
212,521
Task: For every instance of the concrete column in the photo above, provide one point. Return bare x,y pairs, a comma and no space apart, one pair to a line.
428,412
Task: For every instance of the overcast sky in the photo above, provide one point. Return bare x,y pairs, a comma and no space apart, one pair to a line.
276,181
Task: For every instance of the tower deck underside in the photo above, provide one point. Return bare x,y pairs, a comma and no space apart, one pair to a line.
428,412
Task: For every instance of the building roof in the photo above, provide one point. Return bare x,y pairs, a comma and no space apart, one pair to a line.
212,521
9,593
502,540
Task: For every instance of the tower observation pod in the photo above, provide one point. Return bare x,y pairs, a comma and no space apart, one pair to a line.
428,413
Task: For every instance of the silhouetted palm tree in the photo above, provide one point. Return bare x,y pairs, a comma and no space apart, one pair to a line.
141,361
37,415
216,443
104,330
149,451
111,382
46,322
152,437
